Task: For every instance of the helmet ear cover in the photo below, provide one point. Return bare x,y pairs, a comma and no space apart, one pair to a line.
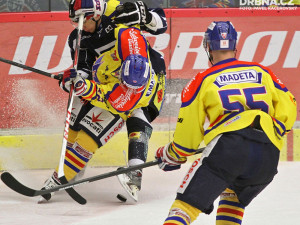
220,35
135,71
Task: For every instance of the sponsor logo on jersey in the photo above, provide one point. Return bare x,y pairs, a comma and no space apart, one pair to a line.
232,120
133,42
96,119
95,127
121,101
244,76
152,83
114,130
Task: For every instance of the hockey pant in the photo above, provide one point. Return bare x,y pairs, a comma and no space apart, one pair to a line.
94,130
236,166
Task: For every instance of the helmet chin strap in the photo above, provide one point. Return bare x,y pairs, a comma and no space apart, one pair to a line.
96,23
210,57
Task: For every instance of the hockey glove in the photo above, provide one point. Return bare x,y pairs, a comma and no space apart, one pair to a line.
80,85
65,83
166,161
68,76
133,13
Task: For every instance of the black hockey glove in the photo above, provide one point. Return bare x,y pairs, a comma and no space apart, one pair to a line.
133,13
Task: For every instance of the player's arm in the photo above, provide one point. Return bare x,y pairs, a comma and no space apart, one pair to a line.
189,130
158,23
86,57
285,107
151,20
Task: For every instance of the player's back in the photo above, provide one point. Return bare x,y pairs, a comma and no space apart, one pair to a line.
233,93
237,87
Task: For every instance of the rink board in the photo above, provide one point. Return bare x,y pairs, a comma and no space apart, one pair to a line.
43,151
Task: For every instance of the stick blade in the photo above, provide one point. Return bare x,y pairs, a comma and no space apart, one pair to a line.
72,193
15,185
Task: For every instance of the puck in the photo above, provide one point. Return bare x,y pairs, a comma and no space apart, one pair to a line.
121,198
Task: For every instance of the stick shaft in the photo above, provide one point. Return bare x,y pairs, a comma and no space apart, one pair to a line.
30,68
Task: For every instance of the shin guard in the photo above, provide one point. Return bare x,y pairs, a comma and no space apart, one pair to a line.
139,133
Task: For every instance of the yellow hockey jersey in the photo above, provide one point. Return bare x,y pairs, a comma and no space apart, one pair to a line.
230,95
105,90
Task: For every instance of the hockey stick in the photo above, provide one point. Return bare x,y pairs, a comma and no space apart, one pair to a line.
57,77
15,185
61,175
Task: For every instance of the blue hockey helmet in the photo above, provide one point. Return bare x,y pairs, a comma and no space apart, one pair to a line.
135,71
220,35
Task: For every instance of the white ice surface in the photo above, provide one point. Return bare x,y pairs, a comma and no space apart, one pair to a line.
278,204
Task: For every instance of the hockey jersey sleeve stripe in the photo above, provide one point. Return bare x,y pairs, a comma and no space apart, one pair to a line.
181,151
90,93
282,129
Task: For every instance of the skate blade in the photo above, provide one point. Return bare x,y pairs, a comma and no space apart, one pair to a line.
131,190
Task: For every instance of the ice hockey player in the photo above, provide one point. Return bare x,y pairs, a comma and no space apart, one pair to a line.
249,110
87,127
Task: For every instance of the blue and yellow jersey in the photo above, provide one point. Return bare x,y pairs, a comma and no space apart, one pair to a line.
105,91
111,7
230,95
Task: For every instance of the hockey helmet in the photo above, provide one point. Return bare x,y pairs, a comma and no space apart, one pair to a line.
90,9
135,71
220,35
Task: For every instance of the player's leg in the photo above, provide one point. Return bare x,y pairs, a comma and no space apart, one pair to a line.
230,210
80,108
139,131
97,127
181,213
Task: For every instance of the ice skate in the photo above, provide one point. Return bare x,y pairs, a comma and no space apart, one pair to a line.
52,182
131,182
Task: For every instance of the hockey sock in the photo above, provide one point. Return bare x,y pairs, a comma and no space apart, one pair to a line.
71,140
182,213
230,210
79,154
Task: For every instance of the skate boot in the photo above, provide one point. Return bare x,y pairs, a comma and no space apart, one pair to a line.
131,182
53,181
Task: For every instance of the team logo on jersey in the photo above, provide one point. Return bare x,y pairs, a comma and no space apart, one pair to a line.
244,76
